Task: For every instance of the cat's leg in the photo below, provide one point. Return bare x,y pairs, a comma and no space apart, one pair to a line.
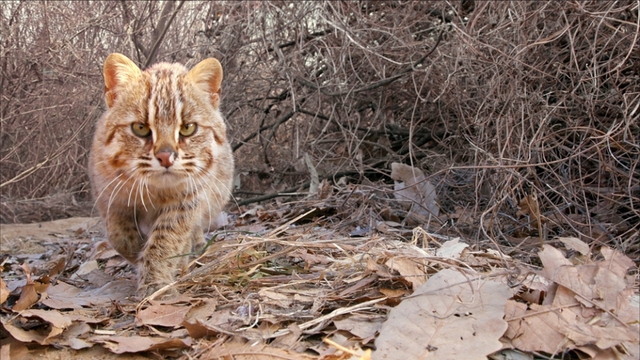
124,236
165,252
198,241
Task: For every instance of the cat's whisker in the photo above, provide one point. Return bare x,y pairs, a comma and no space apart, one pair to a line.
135,214
106,225
200,181
131,191
140,191
224,186
149,193
116,190
103,190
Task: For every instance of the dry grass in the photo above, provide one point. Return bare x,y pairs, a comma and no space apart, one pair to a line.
500,103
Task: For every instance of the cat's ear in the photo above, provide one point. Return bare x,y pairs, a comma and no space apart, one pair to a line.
118,70
207,75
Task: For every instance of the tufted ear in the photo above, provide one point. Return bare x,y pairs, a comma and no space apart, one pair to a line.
207,75
117,70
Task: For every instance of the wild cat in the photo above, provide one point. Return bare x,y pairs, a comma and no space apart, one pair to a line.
161,167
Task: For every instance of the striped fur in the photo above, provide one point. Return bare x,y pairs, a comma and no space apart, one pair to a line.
157,193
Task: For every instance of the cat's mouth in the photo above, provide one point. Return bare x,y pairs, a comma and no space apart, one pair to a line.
167,173
166,178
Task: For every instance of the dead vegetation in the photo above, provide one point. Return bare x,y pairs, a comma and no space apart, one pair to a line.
498,103
524,116
284,281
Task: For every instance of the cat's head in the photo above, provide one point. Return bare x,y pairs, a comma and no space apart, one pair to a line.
162,123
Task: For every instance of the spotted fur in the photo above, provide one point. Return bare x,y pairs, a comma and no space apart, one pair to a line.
157,193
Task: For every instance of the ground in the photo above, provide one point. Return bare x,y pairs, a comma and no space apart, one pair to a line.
311,279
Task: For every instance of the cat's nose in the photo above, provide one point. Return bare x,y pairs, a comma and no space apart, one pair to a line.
166,158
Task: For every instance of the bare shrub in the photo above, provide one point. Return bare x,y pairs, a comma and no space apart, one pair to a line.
499,101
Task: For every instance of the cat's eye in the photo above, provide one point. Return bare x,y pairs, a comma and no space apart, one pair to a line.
188,129
141,129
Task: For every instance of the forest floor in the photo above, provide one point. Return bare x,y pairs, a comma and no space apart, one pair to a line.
319,278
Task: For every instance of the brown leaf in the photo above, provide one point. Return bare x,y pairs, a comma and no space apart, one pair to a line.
55,321
71,336
529,206
163,315
22,335
276,298
240,350
56,266
202,310
615,261
28,297
591,306
65,296
451,316
14,350
198,329
134,344
575,244
4,291
413,270
218,320
362,283
55,318
289,340
411,185
363,328
5,352
594,284
452,249
310,258
532,333
394,293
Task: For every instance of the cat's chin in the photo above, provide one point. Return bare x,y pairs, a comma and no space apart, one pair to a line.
166,179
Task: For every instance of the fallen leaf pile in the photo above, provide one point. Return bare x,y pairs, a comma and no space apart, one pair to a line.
590,306
282,282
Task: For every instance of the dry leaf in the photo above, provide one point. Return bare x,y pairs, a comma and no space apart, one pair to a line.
413,270
590,308
14,350
532,333
451,316
451,249
217,322
615,261
38,335
575,244
394,293
55,318
361,327
290,340
4,291
163,315
134,344
411,185
315,180
529,206
65,296
240,350
5,352
85,269
55,325
28,297
202,310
